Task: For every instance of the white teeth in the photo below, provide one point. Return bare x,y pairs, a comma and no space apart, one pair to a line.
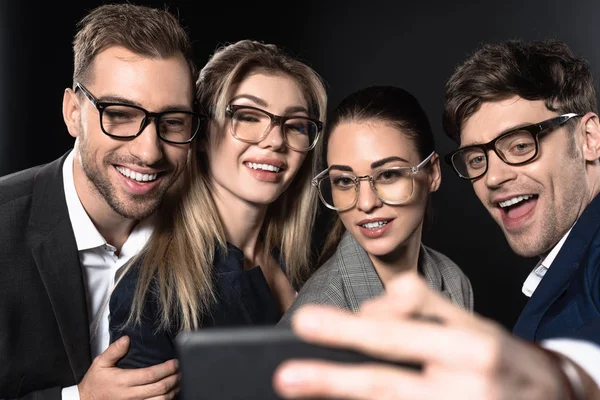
136,176
514,200
374,225
264,167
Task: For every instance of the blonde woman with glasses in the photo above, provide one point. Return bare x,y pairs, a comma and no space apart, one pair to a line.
381,170
230,247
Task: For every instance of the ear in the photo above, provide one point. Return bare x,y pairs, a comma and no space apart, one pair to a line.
591,140
435,174
71,112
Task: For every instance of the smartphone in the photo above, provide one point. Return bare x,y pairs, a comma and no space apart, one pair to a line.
238,363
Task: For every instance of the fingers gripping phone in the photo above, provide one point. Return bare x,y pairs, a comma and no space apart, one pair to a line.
238,363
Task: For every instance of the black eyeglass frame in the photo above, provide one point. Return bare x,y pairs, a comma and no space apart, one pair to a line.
276,120
411,171
149,117
534,129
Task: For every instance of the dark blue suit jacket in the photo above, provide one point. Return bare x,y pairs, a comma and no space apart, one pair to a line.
244,298
566,304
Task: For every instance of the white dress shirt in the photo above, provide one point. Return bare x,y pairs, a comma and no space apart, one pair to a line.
584,353
99,263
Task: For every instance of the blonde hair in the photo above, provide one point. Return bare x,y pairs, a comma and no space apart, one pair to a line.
177,262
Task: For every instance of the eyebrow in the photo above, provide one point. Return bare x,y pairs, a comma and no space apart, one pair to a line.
502,133
129,102
263,103
374,164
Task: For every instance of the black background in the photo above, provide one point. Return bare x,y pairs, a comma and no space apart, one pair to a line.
352,44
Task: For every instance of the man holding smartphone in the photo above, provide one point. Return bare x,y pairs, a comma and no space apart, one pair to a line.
524,115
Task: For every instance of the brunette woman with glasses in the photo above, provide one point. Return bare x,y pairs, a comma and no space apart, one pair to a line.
381,168
229,248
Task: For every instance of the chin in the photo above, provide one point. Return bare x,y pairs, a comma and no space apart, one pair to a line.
377,250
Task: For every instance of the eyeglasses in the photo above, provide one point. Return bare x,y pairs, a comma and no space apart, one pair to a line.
252,125
339,190
125,121
515,147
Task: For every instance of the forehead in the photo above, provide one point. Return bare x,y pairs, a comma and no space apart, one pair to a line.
151,82
278,91
361,143
495,117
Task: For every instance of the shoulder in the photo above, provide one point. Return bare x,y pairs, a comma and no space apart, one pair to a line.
444,264
454,280
325,276
17,185
323,287
123,293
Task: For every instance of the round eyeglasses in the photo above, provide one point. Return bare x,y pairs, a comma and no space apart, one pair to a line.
515,147
339,189
252,125
126,121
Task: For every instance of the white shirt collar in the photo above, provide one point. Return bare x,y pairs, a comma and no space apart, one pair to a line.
538,273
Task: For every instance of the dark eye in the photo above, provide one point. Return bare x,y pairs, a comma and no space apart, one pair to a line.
522,148
115,114
390,175
297,126
342,182
476,162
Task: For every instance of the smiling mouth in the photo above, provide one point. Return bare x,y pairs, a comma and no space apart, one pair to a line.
263,167
136,176
374,225
507,204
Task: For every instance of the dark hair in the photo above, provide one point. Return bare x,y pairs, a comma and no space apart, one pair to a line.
539,70
390,105
150,32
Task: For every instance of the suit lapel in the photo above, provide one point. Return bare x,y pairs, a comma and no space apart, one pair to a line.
55,252
359,278
558,277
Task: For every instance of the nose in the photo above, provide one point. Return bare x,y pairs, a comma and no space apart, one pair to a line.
147,146
367,199
498,172
274,138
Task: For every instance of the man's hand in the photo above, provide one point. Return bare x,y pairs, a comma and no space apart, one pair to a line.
464,357
105,381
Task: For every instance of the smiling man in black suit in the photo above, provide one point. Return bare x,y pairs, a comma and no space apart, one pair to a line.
67,226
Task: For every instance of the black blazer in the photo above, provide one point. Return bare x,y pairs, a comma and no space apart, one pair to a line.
44,327
244,298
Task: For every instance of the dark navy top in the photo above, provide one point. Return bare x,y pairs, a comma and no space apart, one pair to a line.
243,298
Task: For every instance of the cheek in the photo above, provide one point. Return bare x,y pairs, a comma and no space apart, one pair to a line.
177,155
347,218
295,161
480,190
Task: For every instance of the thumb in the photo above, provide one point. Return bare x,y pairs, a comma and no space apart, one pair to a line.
114,352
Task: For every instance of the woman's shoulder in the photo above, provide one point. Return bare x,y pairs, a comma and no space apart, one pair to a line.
453,279
325,275
441,260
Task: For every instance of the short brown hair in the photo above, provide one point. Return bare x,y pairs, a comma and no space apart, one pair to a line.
538,70
150,32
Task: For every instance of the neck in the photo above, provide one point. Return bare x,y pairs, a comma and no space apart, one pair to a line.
242,222
405,258
114,228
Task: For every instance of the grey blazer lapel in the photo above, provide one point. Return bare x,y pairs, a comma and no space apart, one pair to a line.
54,250
359,279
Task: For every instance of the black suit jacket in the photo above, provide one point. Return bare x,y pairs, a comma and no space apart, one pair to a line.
44,326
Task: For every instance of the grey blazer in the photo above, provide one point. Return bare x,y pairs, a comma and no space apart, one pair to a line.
348,279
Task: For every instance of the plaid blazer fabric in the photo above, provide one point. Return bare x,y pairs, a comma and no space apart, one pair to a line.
348,279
